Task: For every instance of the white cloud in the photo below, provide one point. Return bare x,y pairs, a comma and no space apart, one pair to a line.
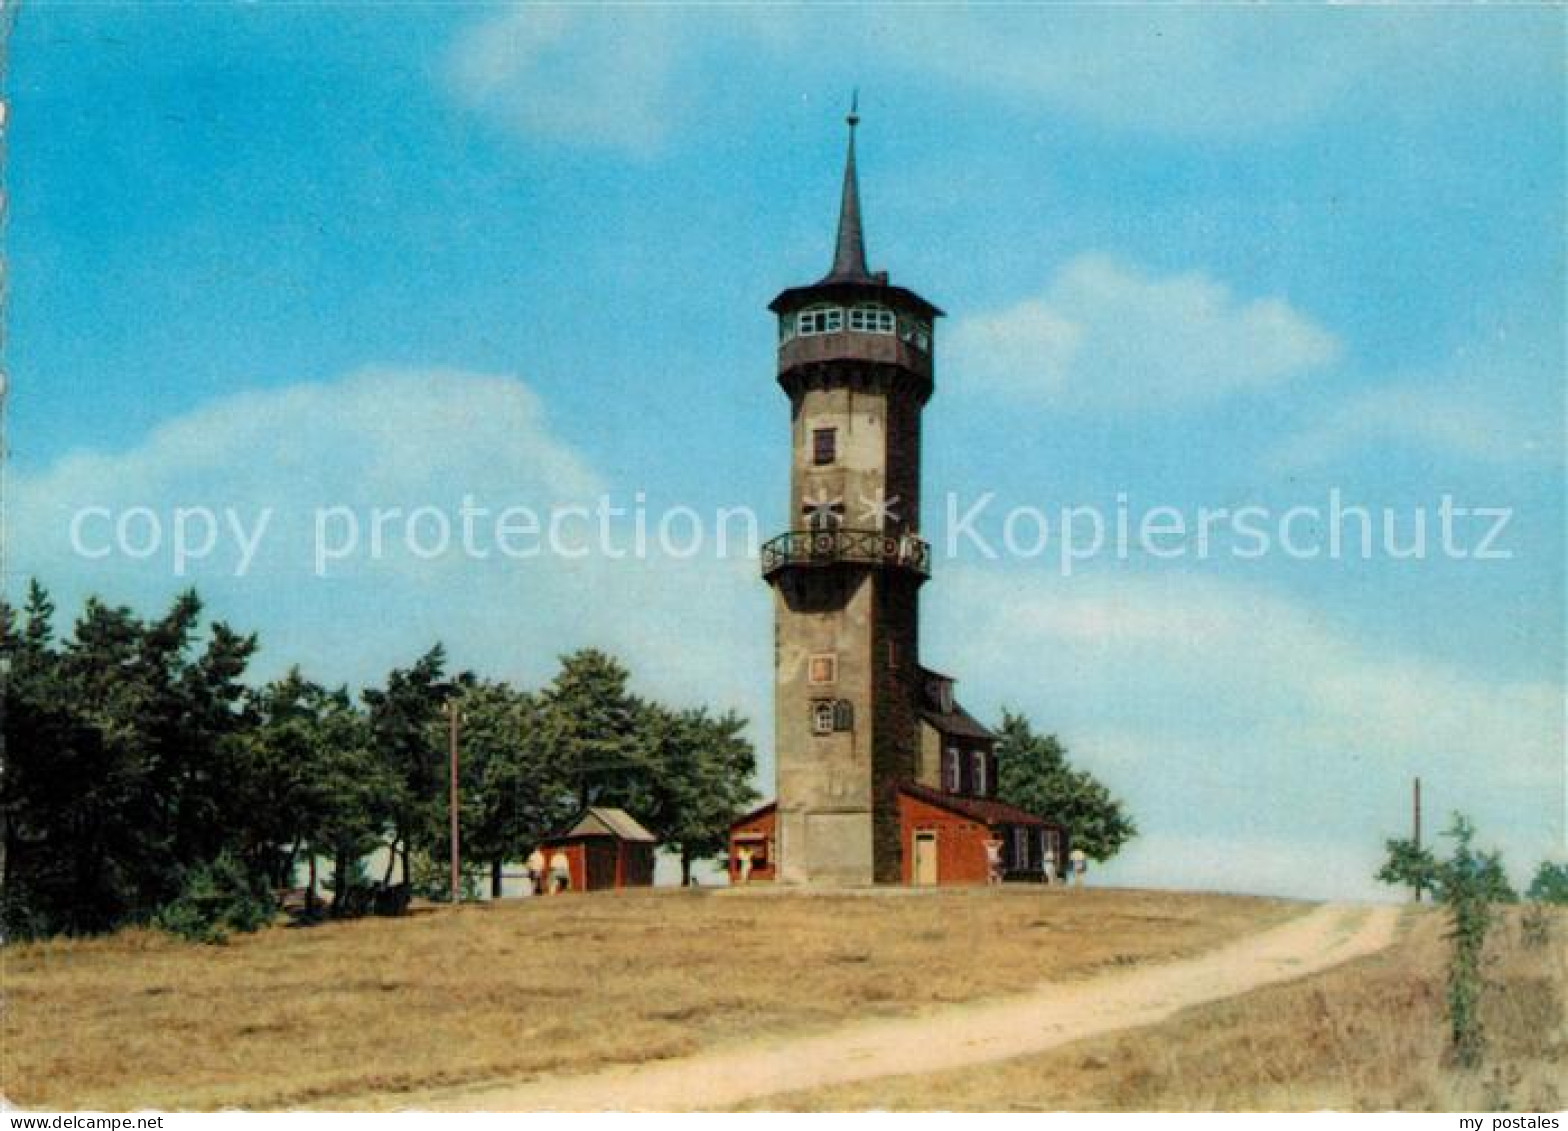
1227,712
610,76
1105,334
1450,418
601,77
384,438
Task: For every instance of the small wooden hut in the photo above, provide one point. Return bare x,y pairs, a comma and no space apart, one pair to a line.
605,848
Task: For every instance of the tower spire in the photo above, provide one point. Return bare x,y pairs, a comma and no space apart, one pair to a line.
849,253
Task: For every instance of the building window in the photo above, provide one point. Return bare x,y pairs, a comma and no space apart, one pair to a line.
892,655
824,445
843,715
980,782
915,332
822,668
953,770
870,318
1020,848
819,320
786,328
822,716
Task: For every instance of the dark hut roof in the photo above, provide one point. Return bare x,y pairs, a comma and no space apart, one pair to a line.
982,809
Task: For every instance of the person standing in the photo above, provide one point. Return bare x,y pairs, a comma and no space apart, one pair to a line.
560,872
535,869
1080,865
743,863
1049,865
993,860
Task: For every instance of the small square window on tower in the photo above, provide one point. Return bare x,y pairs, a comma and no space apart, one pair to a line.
824,445
822,716
822,668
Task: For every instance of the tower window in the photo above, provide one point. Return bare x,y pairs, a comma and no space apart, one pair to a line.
843,715
824,445
870,318
917,332
819,320
786,328
822,668
822,716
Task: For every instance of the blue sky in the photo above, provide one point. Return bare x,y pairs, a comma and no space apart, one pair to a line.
1200,257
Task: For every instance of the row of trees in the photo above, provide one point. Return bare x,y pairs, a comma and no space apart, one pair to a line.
138,763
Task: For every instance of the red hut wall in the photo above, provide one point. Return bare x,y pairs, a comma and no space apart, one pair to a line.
573,851
604,863
960,842
636,862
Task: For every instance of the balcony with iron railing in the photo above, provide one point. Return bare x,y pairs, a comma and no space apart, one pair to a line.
826,547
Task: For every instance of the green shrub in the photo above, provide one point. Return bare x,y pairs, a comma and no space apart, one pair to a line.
217,898
1550,884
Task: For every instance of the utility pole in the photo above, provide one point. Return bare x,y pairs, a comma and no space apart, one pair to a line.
451,711
1415,819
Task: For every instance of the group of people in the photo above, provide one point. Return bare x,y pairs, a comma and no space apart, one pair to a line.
1077,864
548,877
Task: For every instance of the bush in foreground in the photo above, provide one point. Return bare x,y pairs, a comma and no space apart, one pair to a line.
217,899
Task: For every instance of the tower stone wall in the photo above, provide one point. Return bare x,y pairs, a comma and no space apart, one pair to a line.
855,362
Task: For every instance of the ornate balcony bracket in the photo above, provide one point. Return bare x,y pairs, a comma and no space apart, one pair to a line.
807,548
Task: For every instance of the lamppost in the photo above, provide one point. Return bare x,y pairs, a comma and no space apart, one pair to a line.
452,717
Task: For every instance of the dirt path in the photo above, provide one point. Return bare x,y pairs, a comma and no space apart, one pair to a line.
954,1036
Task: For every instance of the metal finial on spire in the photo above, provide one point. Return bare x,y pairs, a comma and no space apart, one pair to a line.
849,253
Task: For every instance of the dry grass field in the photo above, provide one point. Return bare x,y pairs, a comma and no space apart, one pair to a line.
358,1013
1367,1036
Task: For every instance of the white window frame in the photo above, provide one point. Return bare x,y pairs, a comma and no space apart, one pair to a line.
978,765
822,716
953,769
1021,847
820,319
872,318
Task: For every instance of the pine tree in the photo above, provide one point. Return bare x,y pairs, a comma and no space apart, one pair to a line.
515,790
590,723
1033,773
703,767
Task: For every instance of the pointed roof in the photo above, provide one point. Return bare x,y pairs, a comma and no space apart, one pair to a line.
849,252
601,820
850,279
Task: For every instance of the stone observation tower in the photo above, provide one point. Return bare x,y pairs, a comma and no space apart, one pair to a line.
855,360
882,776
